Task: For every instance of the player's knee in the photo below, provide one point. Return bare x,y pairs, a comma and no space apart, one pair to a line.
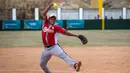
63,56
42,64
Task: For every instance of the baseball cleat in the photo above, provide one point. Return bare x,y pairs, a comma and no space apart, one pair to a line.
77,66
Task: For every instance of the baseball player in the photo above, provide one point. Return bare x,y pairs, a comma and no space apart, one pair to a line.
49,38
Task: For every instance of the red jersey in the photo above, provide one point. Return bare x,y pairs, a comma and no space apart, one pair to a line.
50,32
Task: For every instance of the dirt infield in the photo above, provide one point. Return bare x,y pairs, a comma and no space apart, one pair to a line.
95,60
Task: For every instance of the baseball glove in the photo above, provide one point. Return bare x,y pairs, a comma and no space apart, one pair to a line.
83,39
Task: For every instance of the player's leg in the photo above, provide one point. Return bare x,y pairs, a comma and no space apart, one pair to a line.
61,54
71,62
45,57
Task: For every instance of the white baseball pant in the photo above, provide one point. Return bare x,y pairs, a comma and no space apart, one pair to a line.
55,50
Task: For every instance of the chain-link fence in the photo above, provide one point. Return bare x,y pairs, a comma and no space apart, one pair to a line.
67,14
90,13
128,13
113,13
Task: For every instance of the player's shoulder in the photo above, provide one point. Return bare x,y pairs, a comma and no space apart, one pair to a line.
57,26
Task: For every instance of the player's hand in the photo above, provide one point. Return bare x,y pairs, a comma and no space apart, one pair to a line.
51,4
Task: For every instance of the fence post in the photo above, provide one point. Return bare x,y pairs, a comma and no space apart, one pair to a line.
103,21
103,14
80,13
59,13
36,14
14,14
124,13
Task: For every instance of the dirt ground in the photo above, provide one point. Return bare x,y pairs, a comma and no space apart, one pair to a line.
97,59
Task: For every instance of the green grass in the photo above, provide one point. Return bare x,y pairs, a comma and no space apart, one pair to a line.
95,38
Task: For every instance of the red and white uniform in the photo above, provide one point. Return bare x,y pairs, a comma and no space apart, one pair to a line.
49,37
49,33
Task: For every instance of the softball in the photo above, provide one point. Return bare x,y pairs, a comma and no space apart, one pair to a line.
55,5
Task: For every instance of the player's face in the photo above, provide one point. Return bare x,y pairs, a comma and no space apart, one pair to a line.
52,21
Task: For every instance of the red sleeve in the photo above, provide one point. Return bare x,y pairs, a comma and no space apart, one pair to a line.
60,29
46,21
